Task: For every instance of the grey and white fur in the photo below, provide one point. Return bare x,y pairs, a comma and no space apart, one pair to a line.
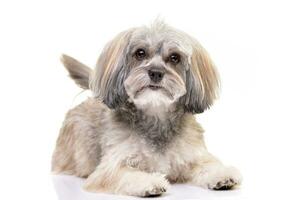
138,133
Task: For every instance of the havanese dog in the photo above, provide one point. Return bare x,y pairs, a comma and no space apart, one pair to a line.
138,132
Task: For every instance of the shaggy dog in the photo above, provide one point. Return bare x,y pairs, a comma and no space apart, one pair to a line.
138,133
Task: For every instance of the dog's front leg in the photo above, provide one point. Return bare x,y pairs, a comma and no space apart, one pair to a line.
210,173
127,181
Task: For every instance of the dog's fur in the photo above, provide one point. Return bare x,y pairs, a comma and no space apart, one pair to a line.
134,136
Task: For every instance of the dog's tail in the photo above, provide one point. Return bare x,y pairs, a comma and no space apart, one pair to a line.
79,72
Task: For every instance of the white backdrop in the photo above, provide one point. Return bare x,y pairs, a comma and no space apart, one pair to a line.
255,44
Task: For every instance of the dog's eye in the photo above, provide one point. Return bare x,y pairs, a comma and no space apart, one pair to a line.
140,54
174,58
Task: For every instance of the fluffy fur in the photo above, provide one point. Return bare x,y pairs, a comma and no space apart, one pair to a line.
136,134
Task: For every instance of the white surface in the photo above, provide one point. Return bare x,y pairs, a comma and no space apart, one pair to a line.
69,187
254,126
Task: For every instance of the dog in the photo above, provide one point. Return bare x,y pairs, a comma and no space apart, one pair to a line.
138,133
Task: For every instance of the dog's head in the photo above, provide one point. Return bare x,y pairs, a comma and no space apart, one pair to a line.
155,68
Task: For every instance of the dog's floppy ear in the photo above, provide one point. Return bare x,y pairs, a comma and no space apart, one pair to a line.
202,81
79,72
111,71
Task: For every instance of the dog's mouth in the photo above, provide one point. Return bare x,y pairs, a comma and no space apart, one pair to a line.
154,88
151,87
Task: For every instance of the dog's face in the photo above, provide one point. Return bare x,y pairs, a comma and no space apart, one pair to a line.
155,68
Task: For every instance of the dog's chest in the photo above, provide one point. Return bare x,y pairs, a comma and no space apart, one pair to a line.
172,161
159,147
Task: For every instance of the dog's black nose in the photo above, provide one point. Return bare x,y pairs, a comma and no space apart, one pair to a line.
156,75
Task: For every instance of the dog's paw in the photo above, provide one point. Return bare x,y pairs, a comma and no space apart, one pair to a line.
221,178
226,184
156,190
145,185
154,186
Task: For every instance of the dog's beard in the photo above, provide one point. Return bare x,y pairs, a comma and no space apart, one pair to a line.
153,101
153,98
